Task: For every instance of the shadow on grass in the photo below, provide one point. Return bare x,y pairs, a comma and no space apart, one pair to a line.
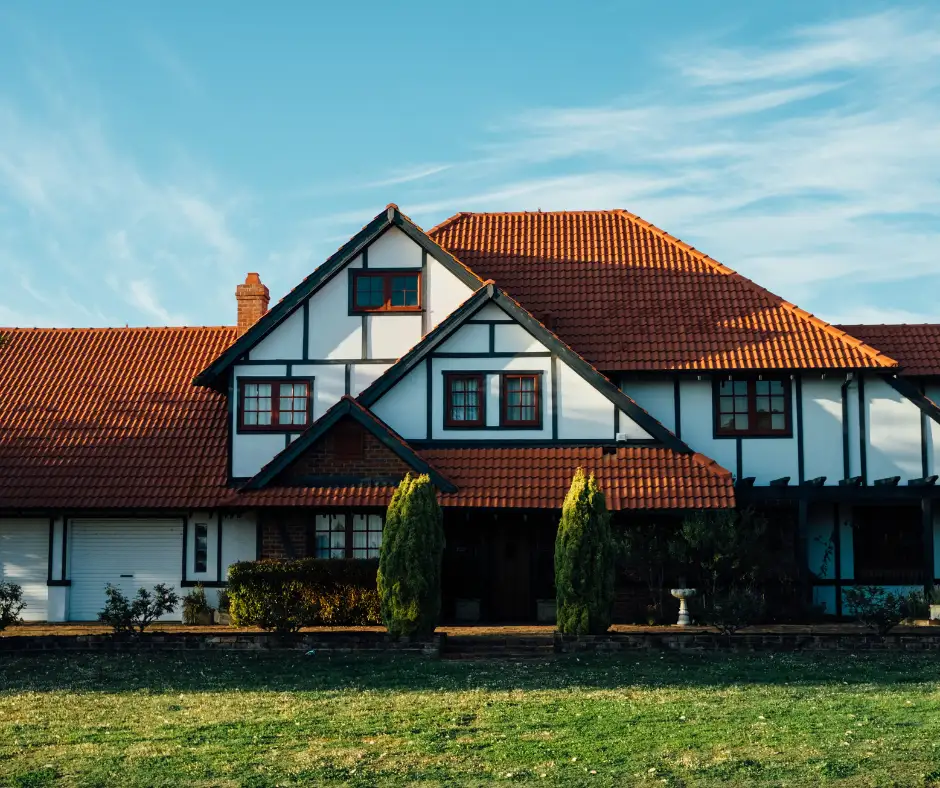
294,672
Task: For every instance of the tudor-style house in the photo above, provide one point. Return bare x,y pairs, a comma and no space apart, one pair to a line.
496,352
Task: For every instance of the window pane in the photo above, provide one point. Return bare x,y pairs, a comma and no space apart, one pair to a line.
322,549
740,387
777,404
405,290
740,404
264,419
778,421
251,389
322,522
740,422
727,421
251,417
370,291
776,387
762,387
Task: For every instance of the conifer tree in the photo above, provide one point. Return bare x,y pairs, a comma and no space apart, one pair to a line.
409,578
584,560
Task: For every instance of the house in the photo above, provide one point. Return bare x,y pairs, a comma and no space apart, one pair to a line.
496,352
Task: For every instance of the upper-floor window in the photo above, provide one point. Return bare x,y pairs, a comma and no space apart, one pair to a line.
386,291
749,406
465,399
521,400
277,405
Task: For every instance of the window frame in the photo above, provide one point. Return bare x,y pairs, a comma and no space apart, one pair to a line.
348,531
452,424
504,420
752,431
387,275
275,405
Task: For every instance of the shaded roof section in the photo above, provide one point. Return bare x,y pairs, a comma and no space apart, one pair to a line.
390,217
634,477
628,296
915,346
101,418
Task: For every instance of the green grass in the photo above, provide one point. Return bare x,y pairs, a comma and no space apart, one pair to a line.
267,720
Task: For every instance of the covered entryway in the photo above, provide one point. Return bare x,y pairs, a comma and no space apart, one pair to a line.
127,554
24,560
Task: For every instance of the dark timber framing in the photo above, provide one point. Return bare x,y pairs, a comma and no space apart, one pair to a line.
862,436
218,547
425,294
49,577
348,407
390,217
846,456
184,576
837,556
677,397
492,294
926,508
800,460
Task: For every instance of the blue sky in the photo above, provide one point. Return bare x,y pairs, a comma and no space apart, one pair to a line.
151,154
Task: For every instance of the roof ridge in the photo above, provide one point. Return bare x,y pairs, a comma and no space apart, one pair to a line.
888,325
803,314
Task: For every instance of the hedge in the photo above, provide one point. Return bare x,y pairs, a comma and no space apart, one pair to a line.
287,595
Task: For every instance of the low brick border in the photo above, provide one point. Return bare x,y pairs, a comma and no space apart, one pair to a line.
745,642
321,642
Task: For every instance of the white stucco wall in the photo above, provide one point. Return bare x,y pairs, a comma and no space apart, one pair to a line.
391,336
445,292
363,375
334,333
822,428
893,429
394,249
698,423
404,408
656,397
286,341
472,338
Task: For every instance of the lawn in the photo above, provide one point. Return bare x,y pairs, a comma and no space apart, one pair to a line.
278,719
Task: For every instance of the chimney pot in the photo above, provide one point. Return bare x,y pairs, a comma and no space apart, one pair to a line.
253,298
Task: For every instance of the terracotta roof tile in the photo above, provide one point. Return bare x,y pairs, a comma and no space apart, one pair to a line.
631,477
628,296
102,418
915,346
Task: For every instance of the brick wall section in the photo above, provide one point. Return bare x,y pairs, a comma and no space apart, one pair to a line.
346,450
275,525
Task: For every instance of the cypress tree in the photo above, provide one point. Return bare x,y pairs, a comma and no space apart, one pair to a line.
409,578
584,560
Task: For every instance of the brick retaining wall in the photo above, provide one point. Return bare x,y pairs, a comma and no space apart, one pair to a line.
712,641
323,642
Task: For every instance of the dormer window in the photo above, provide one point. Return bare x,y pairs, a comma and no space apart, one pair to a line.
385,290
274,405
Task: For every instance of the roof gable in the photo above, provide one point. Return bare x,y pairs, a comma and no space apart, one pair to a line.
390,217
346,409
490,294
628,296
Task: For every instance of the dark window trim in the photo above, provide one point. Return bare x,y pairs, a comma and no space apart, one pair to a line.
504,420
387,274
347,530
752,432
451,424
273,427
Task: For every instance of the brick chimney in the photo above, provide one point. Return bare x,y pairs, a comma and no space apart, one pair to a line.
253,298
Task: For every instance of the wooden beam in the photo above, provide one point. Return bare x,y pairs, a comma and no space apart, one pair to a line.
888,481
783,481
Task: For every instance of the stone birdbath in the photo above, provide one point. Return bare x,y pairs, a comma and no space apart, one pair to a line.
683,594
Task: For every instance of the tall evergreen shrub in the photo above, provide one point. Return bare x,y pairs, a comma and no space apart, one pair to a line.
409,577
584,560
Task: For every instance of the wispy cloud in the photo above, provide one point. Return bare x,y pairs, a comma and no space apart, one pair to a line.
171,63
78,204
809,162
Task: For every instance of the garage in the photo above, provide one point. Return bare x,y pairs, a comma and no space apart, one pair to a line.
129,554
24,560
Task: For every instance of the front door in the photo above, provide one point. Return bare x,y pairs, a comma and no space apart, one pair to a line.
510,576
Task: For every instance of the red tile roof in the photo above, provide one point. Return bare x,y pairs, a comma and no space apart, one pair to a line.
98,419
628,296
102,418
632,477
915,346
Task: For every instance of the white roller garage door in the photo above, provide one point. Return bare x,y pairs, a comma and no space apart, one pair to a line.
127,554
24,560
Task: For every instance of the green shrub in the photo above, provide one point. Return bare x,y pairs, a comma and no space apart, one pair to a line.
729,611
409,578
223,600
875,607
11,604
286,595
584,560
126,615
195,605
